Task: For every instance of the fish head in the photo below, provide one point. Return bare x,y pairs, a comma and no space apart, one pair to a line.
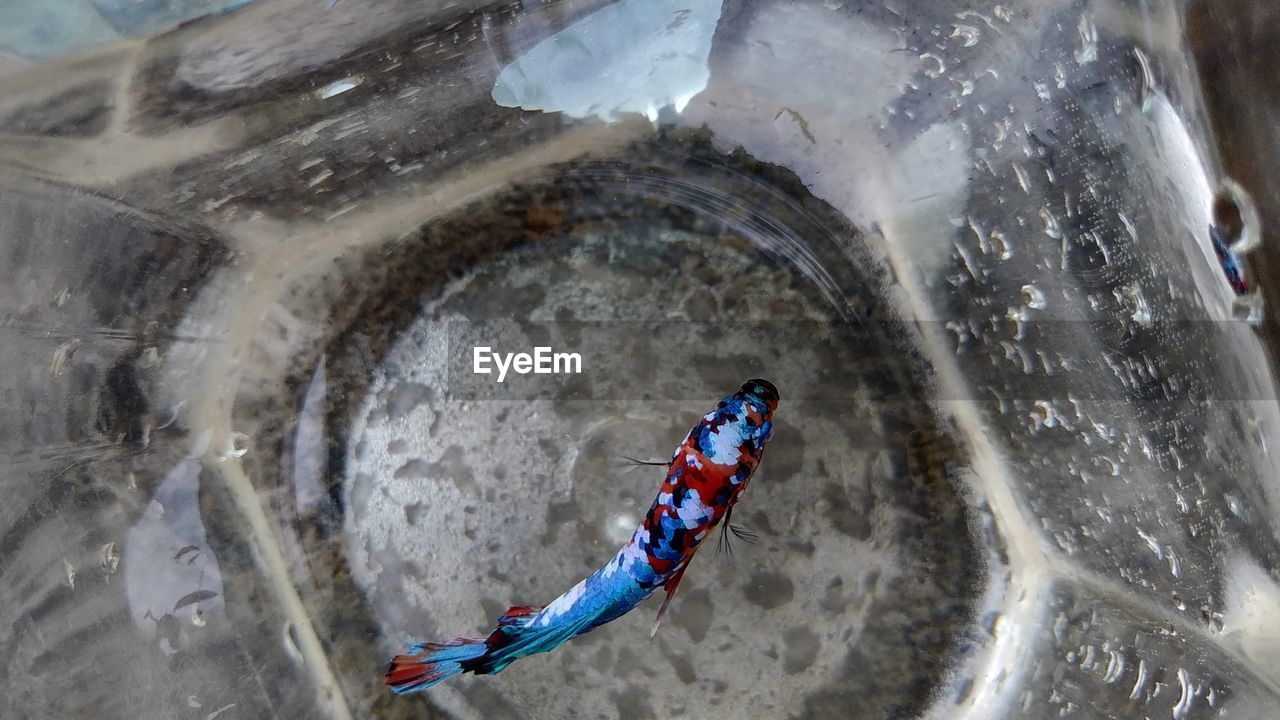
763,392
760,399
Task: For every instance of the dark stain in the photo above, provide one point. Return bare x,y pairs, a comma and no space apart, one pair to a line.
802,547
413,513
760,523
846,516
784,455
406,397
681,663
81,111
834,600
550,449
122,404
768,590
415,469
558,515
603,660
801,650
633,704
452,465
691,611
872,579
492,610
629,663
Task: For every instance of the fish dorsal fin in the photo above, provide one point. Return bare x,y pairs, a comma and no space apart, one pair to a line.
518,615
670,585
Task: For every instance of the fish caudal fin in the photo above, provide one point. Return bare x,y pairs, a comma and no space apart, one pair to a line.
515,637
426,664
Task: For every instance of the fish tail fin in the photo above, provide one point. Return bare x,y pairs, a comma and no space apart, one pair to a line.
426,664
516,636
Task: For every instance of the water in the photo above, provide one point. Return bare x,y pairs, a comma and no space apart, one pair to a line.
1021,465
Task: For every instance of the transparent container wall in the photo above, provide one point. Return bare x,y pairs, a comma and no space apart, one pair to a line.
1021,468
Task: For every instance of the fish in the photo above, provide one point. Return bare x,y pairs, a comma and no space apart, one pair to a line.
706,477
1230,263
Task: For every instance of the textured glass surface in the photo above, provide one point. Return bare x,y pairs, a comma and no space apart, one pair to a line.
1021,467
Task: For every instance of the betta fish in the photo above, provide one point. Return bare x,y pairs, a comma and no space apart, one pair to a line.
705,479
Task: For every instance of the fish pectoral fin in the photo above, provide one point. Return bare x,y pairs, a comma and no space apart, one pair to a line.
633,461
671,586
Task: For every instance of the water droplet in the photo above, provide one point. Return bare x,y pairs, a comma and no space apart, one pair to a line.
1140,682
109,558
1136,303
1024,182
1033,298
1001,245
69,571
338,87
291,642
1043,415
1146,79
968,34
1234,505
1088,50
1235,215
1248,308
1002,13
237,447
62,355
1115,667
1050,223
1186,695
933,65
